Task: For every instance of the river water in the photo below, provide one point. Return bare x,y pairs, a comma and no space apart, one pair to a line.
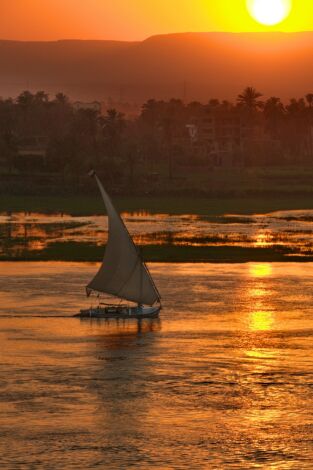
223,380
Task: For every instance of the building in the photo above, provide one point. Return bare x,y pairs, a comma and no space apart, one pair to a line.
230,137
215,135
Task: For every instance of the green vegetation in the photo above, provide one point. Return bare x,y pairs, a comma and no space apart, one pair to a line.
77,251
216,254
90,205
169,147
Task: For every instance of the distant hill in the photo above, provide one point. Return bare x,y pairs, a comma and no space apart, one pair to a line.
191,65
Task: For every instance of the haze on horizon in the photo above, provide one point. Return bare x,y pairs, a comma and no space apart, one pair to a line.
35,20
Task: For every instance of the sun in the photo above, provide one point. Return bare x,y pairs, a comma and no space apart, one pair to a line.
269,12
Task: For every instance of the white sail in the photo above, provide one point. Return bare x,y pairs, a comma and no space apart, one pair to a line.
122,273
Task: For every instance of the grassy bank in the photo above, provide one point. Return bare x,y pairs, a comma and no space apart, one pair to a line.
192,190
74,251
80,205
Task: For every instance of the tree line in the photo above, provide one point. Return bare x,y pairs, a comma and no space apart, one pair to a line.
77,139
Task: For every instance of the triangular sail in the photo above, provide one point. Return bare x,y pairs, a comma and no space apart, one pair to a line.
122,273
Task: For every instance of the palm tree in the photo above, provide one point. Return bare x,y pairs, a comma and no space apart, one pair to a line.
296,107
249,99
152,112
297,129
113,126
25,99
214,103
227,105
309,98
274,111
61,98
41,97
273,105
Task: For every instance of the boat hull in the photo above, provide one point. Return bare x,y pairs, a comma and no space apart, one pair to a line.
120,312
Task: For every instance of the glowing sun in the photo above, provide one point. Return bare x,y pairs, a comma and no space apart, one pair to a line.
269,12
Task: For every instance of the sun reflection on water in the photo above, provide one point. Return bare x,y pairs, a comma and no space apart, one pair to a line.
261,315
260,269
262,357
261,320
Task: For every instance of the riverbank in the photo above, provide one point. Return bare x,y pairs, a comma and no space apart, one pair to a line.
85,252
205,205
200,191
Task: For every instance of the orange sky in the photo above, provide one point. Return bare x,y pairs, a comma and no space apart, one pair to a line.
134,19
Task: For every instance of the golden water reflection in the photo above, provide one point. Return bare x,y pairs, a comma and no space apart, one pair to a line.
262,395
260,269
261,321
287,234
263,240
261,315
218,379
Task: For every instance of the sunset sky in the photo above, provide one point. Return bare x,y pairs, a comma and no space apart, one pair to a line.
135,19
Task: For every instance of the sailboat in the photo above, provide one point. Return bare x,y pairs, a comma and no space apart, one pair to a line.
123,274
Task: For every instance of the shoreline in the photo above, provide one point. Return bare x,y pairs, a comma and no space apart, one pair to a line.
16,249
165,204
199,261
191,257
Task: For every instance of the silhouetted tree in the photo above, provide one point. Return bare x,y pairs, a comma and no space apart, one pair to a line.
25,99
41,97
274,111
61,98
113,125
309,98
296,129
134,147
214,103
250,99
